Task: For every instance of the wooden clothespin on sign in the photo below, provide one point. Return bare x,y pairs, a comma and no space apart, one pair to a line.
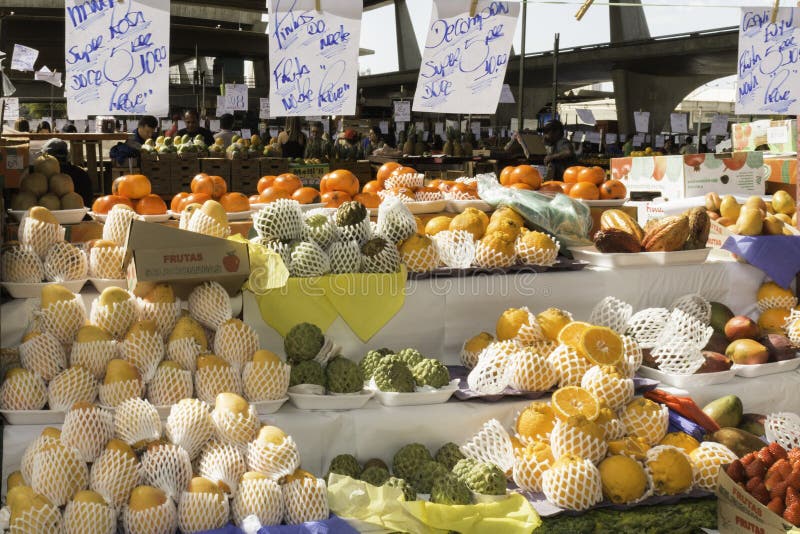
473,7
583,9
318,5
774,15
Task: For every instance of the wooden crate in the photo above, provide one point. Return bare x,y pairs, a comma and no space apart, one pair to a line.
116,172
310,175
160,175
182,172
273,166
216,167
245,175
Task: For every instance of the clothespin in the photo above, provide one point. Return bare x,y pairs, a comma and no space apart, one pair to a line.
774,16
473,7
583,9
318,5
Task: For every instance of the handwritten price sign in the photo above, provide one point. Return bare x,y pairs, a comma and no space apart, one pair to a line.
313,57
117,57
768,75
465,57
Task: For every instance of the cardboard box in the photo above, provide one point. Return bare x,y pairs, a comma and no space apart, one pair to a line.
14,160
739,513
780,136
678,177
781,170
273,166
158,253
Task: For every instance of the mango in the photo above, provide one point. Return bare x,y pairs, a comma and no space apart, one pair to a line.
741,327
772,225
739,441
715,362
782,202
750,221
747,352
729,208
778,346
753,423
726,411
720,314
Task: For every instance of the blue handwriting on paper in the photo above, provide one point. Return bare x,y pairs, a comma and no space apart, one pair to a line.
288,24
334,39
289,70
86,55
331,92
81,13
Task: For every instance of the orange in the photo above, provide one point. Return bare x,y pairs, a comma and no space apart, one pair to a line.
585,191
385,171
613,189
202,183
571,334
573,400
369,200
220,187
372,187
334,199
194,198
525,174
339,180
288,182
150,205
234,202
552,187
265,182
536,421
254,199
505,175
601,345
104,204
273,193
134,186
115,185
306,195
435,183
175,204
593,175
567,188
520,185
403,191
401,170
571,174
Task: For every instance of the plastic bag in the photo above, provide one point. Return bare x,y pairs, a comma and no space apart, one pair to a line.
567,219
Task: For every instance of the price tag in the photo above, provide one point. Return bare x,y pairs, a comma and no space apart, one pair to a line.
642,121
263,108
678,123
402,111
246,133
438,128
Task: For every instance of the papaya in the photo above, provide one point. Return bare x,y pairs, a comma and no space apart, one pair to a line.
739,441
726,411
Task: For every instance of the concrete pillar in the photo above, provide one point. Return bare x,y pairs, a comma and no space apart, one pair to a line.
408,56
627,23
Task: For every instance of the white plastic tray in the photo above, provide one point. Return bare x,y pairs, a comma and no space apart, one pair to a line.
761,369
458,206
239,216
330,402
604,203
100,217
614,260
438,396
308,207
163,217
34,291
62,216
270,406
687,381
102,283
33,417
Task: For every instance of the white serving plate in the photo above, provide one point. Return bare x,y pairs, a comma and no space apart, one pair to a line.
257,207
306,401
164,217
761,369
239,215
613,260
100,217
33,417
34,291
687,381
458,206
309,207
102,283
437,396
269,406
62,216
604,203
431,206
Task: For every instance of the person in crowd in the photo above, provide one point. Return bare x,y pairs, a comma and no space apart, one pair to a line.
374,141
193,128
627,148
669,146
22,125
44,127
347,147
173,129
317,146
292,140
69,128
80,178
145,129
688,146
226,130
560,153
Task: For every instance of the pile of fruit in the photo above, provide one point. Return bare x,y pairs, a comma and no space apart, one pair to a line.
586,183
203,188
319,242
335,188
41,252
134,191
755,216
46,186
195,472
448,476
395,180
242,148
645,153
175,145
619,232
133,348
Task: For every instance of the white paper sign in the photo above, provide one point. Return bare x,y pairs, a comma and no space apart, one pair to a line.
420,125
236,96
611,138
465,58
638,140
506,96
490,132
768,78
778,135
593,137
425,136
23,58
642,121
476,129
246,134
263,108
117,58
384,126
46,75
222,104
438,128
719,125
11,109
659,141
314,57
514,125
213,125
273,132
586,116
80,125
402,111
678,123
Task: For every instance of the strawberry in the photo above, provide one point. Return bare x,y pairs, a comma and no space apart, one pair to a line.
777,489
778,452
755,469
794,455
752,484
776,505
736,471
794,479
792,514
792,497
765,456
782,468
761,494
748,458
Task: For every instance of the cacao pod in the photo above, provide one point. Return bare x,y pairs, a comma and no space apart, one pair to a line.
667,234
616,240
621,221
699,228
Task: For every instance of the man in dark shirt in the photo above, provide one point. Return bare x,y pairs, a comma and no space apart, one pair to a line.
193,127
80,178
560,153
145,130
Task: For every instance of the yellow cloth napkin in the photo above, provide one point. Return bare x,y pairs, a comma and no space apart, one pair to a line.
267,270
301,300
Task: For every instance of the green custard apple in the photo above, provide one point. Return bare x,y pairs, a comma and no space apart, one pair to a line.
409,493
410,458
423,478
368,364
345,464
307,372
487,479
375,475
393,375
303,342
410,357
430,372
344,376
463,467
350,213
450,490
448,455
